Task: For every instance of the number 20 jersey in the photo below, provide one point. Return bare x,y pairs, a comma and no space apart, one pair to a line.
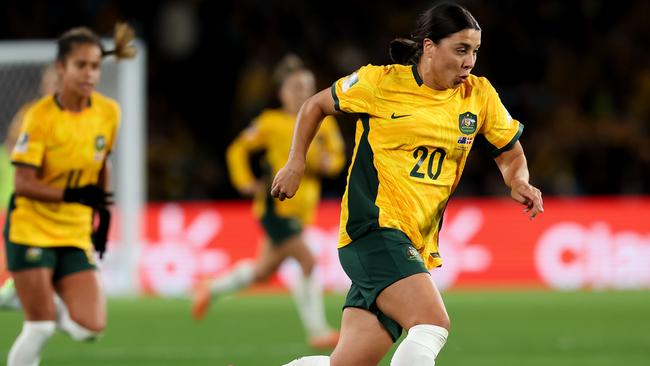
411,146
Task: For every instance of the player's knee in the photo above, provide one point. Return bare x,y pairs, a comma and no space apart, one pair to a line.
34,313
307,265
93,324
440,319
262,275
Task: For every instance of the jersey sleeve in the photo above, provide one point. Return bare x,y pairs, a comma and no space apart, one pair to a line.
30,145
501,131
237,155
355,93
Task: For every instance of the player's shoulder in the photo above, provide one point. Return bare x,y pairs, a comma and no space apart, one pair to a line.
105,104
269,116
480,83
41,106
377,72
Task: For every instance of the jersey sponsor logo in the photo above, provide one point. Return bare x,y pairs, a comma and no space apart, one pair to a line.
412,254
350,81
467,123
396,116
33,254
21,144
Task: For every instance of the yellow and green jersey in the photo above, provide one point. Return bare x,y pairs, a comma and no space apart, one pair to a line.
68,149
411,145
272,132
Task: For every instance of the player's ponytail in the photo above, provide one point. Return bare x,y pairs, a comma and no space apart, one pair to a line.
435,24
404,51
123,37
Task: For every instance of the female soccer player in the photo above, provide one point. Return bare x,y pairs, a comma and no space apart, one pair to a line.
417,121
282,221
61,178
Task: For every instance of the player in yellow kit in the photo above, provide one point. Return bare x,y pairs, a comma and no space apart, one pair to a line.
283,222
417,122
61,180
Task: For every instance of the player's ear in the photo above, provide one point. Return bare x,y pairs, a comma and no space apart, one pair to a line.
59,67
428,46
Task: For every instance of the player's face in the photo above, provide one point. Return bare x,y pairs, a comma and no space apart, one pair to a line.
80,70
453,58
295,90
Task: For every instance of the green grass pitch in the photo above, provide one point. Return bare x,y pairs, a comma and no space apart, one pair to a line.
489,328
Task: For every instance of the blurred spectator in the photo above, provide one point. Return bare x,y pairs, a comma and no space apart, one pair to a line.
575,73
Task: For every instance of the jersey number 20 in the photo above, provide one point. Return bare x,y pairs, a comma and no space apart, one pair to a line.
421,154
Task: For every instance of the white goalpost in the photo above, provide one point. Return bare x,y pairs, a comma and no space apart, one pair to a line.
21,65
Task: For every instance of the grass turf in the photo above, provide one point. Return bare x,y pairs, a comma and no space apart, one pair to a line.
489,328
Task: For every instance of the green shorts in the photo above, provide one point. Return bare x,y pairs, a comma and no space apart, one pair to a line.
375,261
63,260
278,228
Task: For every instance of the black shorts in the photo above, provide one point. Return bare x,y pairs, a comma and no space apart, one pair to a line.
278,228
62,260
375,261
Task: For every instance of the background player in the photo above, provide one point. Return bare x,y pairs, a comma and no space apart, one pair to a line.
61,177
283,222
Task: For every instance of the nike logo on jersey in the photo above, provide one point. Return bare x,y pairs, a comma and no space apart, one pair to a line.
394,116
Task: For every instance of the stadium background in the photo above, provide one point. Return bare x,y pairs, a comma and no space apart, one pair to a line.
567,289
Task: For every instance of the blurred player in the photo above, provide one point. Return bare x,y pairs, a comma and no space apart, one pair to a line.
418,119
61,178
283,222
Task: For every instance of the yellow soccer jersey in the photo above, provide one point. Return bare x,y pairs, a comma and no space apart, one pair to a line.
272,132
69,150
410,149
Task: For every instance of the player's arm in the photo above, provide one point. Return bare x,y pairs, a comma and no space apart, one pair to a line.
335,149
514,169
238,159
104,180
27,184
310,116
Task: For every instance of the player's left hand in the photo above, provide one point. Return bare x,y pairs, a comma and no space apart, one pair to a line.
529,196
100,233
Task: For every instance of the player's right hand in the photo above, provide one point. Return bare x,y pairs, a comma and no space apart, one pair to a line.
89,195
286,182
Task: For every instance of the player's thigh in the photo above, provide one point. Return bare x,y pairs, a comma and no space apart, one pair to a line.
297,248
363,340
414,300
84,296
36,294
32,268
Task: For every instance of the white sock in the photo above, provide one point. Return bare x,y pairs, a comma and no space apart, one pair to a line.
421,346
240,277
68,326
310,361
26,350
308,294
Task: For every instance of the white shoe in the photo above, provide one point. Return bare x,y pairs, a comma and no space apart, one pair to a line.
8,297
